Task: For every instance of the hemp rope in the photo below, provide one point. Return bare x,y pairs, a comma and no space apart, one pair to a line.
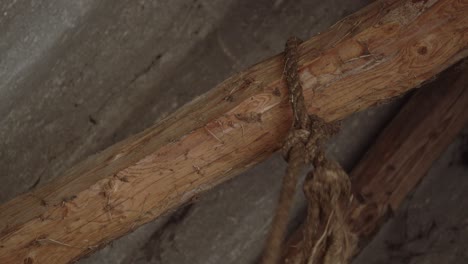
327,238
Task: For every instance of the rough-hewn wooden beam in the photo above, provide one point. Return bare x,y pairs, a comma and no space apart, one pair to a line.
417,137
402,154
378,53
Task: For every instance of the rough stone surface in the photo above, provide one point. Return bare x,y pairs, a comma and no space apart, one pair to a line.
77,76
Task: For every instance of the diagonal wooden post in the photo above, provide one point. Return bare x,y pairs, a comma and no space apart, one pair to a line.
378,53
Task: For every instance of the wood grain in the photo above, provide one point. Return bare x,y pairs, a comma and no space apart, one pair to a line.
406,150
378,53
402,154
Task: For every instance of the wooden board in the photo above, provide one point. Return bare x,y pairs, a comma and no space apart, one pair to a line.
378,53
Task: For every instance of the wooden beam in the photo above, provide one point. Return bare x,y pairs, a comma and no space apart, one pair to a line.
378,53
408,148
402,154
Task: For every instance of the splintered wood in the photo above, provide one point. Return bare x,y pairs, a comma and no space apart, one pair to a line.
378,53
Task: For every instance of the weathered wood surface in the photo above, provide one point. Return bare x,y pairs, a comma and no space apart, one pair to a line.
402,155
378,53
408,148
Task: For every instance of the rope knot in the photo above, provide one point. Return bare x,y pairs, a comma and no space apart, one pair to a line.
327,238
297,138
310,134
